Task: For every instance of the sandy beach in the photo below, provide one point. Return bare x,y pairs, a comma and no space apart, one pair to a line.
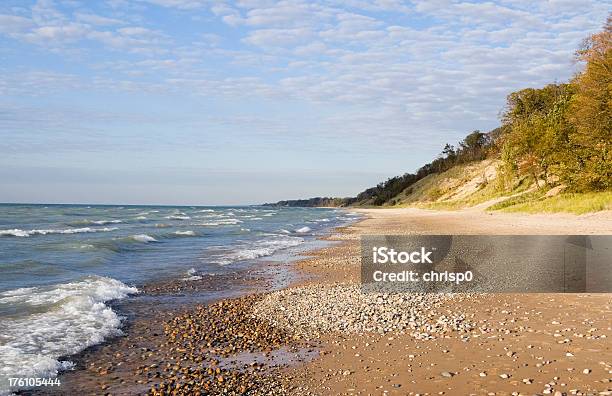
512,344
322,336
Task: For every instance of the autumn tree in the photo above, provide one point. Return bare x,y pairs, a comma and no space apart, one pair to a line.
591,114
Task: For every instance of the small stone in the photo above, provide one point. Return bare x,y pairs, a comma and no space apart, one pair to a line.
446,374
483,374
504,376
586,371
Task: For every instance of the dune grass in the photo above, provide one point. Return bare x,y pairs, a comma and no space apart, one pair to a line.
578,203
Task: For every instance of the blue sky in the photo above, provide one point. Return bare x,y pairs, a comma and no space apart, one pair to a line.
214,102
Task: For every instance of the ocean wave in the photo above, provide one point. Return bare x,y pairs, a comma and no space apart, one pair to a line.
219,222
144,238
185,233
66,319
210,216
192,275
96,222
16,232
303,230
178,217
261,248
102,222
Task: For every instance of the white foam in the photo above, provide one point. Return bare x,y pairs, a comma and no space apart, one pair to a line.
22,233
14,232
192,275
261,248
220,222
206,210
185,233
303,230
102,222
66,319
178,217
143,238
209,216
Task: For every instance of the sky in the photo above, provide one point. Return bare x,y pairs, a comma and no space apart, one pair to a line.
213,102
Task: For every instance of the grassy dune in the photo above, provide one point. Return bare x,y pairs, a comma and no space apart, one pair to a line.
578,203
465,186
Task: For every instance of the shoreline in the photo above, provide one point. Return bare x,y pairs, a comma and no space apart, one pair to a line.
337,362
97,370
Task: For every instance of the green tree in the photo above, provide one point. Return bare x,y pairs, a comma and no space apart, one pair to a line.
591,114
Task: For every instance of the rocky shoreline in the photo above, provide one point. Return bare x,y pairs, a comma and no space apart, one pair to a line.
181,337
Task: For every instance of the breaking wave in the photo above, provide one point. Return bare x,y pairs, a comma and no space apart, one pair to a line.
56,321
16,232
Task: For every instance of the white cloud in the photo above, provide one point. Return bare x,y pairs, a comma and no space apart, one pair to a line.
435,66
98,20
12,24
180,4
136,31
